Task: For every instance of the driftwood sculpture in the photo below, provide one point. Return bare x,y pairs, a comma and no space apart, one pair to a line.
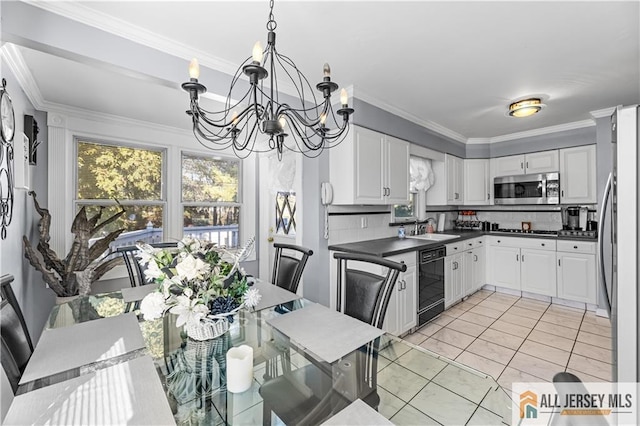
74,274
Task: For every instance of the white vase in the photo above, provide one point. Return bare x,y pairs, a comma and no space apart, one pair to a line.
60,300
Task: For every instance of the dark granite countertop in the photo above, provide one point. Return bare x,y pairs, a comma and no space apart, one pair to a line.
392,246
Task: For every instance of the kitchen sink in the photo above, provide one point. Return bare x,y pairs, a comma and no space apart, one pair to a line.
433,237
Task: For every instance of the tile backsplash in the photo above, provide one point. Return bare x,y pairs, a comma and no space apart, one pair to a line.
351,225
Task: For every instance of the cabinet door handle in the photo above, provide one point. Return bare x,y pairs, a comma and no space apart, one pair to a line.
562,193
559,262
527,164
575,247
522,165
542,244
487,195
523,257
475,258
498,241
517,258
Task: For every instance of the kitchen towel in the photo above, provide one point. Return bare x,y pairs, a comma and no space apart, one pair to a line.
328,334
125,393
61,349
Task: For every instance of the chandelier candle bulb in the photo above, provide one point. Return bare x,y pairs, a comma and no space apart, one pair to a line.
326,70
257,53
344,98
234,118
194,69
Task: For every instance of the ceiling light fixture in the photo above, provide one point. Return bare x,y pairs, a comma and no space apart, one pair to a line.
525,107
260,110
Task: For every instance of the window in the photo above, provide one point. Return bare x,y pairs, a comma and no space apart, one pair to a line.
211,198
405,212
134,177
286,213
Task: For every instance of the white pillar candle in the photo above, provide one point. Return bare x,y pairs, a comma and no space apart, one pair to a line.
239,368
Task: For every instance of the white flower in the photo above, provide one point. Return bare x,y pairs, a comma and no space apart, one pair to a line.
152,306
153,272
191,268
188,311
252,297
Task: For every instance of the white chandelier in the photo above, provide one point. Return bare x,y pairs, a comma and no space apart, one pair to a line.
303,127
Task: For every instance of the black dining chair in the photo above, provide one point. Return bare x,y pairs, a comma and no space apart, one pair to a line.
6,293
14,337
134,269
314,392
289,263
11,370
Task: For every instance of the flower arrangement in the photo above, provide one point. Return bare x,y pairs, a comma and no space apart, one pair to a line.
197,280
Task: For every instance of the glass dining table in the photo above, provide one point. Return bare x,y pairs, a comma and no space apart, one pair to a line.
412,385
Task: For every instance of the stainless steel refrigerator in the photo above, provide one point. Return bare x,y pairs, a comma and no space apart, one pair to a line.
618,243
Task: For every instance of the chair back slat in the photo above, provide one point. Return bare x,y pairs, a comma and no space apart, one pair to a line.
14,336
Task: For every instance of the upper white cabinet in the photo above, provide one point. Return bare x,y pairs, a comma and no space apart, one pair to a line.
455,179
370,168
537,162
476,182
578,175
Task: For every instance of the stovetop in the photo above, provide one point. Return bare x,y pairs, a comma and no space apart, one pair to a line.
573,233
530,231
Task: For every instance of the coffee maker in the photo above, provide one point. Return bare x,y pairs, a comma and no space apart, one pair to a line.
571,218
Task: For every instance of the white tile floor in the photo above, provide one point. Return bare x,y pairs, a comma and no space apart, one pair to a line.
516,339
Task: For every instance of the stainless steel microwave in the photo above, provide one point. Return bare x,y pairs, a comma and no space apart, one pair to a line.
543,188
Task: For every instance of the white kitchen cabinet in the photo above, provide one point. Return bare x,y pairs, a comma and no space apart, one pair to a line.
402,312
508,268
531,163
537,271
396,173
504,267
578,175
369,168
476,182
576,271
455,179
453,279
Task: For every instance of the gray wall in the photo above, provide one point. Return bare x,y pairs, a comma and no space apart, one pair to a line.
35,299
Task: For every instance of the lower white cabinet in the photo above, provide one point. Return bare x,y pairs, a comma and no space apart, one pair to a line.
523,264
464,269
537,271
504,267
576,271
473,273
402,311
453,279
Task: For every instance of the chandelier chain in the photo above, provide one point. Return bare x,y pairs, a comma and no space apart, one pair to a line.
271,23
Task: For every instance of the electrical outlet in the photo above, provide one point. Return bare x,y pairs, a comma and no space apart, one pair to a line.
363,222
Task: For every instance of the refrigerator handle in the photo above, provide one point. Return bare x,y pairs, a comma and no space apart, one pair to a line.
603,214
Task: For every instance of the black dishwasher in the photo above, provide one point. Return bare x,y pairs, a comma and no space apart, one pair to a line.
430,284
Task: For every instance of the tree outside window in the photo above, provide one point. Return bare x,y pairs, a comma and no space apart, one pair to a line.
211,198
132,176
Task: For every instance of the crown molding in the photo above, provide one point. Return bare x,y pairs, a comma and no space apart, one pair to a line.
605,112
85,15
435,127
544,131
18,67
